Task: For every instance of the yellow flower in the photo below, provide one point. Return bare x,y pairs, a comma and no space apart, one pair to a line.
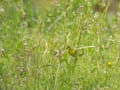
109,63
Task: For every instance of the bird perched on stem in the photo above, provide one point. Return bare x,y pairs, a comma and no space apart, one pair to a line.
73,52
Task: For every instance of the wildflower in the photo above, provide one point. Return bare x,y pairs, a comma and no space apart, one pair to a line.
57,53
109,63
24,15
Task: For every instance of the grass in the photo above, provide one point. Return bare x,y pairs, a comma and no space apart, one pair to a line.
33,42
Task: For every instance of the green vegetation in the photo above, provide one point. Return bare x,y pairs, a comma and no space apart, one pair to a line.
34,36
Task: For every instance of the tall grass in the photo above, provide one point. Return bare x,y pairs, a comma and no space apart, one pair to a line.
33,54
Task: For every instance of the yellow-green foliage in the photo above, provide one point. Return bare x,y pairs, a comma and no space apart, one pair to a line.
34,35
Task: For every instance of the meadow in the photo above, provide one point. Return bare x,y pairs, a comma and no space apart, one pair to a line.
34,36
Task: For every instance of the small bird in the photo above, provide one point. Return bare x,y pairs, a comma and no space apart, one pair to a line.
73,52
